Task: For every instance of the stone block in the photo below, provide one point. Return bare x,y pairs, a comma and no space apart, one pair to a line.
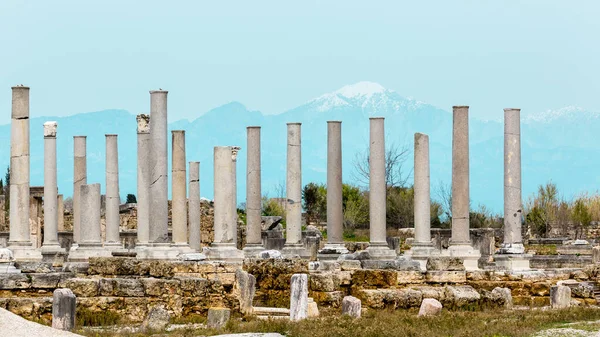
445,263
400,263
323,282
244,289
331,299
596,254
159,287
329,266
157,320
313,308
218,317
438,293
540,288
560,297
372,278
35,267
45,281
583,290
430,307
410,277
81,287
121,287
64,303
299,297
350,264
14,281
462,296
343,278
226,279
498,297
351,306
270,254
439,276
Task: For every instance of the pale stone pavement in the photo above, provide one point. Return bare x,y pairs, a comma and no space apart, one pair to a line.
16,326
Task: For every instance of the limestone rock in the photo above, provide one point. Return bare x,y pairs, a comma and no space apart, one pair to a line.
350,264
14,281
82,287
401,263
560,297
121,287
462,296
244,289
270,254
351,306
445,263
596,254
218,317
157,320
270,222
63,309
430,307
391,298
299,297
583,290
358,255
498,297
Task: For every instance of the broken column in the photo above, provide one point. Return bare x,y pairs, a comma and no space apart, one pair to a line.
159,213
64,304
143,179
234,215
253,194
513,248
79,178
378,248
50,246
335,217
223,246
19,240
460,242
113,199
422,246
194,206
90,240
179,192
293,210
299,297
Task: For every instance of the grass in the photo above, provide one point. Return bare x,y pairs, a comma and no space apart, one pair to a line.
356,235
542,249
406,323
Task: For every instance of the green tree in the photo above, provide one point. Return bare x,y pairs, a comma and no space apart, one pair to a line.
400,207
314,198
355,204
271,207
581,217
131,199
7,190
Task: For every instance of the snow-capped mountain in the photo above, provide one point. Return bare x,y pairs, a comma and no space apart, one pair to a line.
566,113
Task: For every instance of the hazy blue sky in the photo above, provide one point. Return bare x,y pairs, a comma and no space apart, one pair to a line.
80,56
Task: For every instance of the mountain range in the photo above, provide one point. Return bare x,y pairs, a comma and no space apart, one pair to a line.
558,145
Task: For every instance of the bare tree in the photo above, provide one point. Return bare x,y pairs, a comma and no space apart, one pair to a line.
444,195
395,157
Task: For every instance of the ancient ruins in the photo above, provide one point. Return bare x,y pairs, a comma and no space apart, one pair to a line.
169,260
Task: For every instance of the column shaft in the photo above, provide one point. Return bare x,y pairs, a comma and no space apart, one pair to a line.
223,197
234,215
335,216
178,185
159,203
253,188
60,206
194,205
422,191
377,182
143,178
113,199
294,185
460,176
90,215
79,178
512,176
50,186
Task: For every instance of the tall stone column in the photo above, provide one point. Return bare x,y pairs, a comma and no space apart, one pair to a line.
194,210
513,211
50,245
90,240
179,192
113,199
223,246
20,236
378,247
60,206
143,179
159,213
234,215
293,244
335,216
253,194
460,242
79,178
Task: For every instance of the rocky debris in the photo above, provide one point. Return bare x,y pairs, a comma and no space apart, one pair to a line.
358,255
64,303
244,289
462,296
498,297
430,307
583,290
157,320
34,267
218,317
560,297
351,306
400,263
313,231
270,254
445,263
391,298
269,223
356,246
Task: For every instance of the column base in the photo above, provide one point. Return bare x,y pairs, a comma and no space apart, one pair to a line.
225,252
465,252
54,253
513,262
295,250
332,251
251,250
158,251
84,251
381,251
512,248
113,245
421,253
24,251
7,262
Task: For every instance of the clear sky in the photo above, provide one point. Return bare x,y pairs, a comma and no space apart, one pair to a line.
81,56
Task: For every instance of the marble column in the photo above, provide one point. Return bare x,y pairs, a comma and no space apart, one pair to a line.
50,245
79,178
143,179
179,193
253,194
113,199
159,213
422,200
293,218
335,216
60,206
513,211
194,210
378,247
19,240
223,246
234,216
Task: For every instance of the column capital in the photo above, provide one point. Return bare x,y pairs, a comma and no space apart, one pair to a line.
50,129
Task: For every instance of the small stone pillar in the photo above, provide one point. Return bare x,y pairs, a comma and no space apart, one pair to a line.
253,194
460,242
194,206
19,240
223,246
50,245
293,244
60,206
422,247
90,243
113,199
79,178
159,202
234,215
218,317
378,248
179,193
335,216
299,297
143,179
64,304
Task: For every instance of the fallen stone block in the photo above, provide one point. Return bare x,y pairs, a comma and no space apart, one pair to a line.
560,297
218,317
351,306
430,307
157,320
445,263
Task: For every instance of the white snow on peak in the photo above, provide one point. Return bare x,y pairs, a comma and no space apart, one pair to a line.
568,112
360,89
